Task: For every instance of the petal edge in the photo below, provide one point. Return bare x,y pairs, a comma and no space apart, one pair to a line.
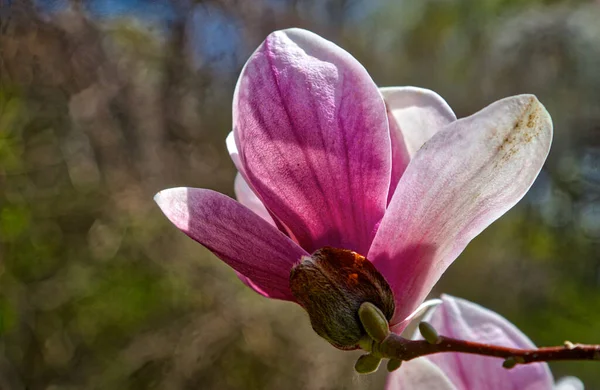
236,235
313,138
464,178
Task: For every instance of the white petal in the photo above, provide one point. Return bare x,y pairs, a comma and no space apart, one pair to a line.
419,373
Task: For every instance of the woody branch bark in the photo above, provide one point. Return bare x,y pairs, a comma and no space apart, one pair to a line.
383,344
397,347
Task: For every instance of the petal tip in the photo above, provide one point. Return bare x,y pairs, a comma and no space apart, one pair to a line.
173,203
157,197
163,196
569,383
293,31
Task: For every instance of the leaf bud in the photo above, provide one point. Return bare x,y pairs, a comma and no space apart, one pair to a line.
393,365
367,364
509,363
429,333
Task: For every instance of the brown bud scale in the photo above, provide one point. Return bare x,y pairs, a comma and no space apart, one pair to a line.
331,285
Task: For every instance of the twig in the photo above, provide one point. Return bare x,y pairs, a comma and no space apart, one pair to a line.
382,344
397,347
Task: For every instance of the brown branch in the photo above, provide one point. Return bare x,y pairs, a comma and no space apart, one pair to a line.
381,343
399,348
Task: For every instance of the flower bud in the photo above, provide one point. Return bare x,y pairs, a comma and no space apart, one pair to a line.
429,333
509,363
331,285
367,364
373,321
393,365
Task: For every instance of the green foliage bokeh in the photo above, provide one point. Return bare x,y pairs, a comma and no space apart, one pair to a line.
98,113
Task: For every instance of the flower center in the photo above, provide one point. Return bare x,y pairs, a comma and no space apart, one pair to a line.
331,285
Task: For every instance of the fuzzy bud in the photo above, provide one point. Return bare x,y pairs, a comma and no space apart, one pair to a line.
331,285
373,321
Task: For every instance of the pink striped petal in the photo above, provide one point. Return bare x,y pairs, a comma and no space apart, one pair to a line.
236,235
244,193
420,373
464,178
311,130
415,115
465,320
248,198
252,285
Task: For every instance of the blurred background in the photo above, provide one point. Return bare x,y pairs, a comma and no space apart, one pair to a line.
105,102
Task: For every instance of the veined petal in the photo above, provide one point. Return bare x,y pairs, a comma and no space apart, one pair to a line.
244,193
419,373
419,113
252,285
465,320
415,115
312,134
460,181
248,198
236,235
410,324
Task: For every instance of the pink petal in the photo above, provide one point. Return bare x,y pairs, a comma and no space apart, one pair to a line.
569,383
419,113
419,373
410,323
233,151
465,320
236,235
252,285
313,138
464,178
248,198
415,115
245,194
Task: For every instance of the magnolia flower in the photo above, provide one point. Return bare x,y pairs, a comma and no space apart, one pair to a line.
326,159
465,320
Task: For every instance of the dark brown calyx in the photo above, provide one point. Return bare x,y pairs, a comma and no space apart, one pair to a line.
331,285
